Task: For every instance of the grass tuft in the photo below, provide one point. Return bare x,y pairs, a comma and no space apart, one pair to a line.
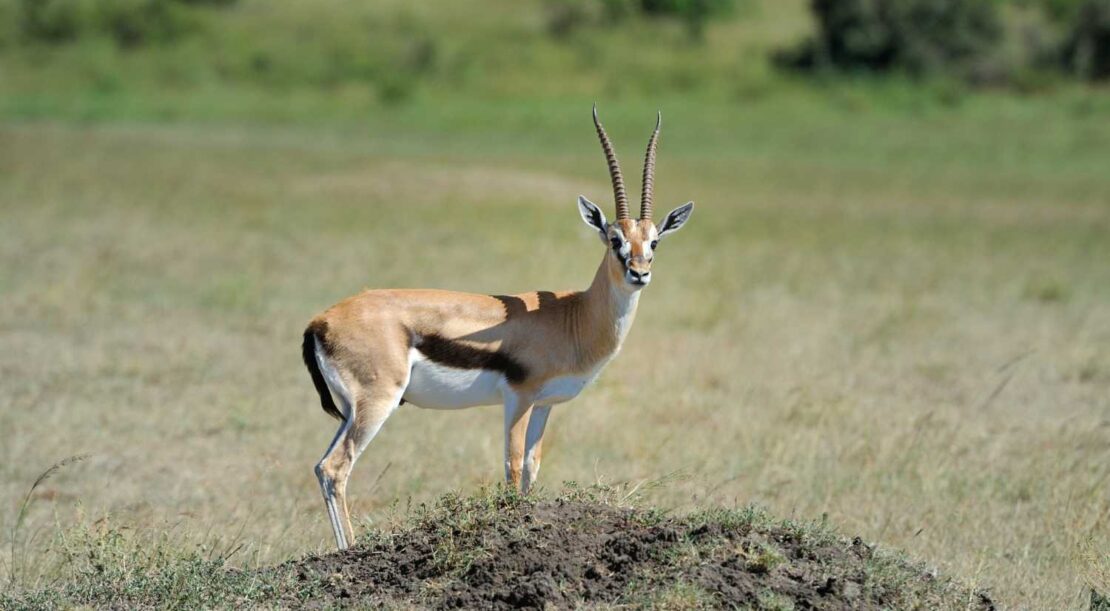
18,553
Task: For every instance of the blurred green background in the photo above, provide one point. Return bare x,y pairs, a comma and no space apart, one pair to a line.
256,60
891,307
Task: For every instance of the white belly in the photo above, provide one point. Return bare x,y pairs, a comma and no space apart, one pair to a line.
434,386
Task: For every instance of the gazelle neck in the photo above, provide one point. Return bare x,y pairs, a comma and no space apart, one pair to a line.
611,303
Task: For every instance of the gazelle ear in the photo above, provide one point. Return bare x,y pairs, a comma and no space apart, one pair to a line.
592,215
676,219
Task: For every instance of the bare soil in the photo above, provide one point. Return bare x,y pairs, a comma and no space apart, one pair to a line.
567,553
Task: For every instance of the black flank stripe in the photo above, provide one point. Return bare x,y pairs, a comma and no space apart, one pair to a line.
460,356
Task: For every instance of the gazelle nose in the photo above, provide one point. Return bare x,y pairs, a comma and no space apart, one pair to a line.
641,277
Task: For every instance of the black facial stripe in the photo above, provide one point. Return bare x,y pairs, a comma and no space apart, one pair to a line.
617,252
458,355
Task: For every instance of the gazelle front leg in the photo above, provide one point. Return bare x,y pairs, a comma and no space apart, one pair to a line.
517,409
533,446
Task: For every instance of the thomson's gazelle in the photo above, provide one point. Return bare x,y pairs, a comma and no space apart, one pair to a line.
437,349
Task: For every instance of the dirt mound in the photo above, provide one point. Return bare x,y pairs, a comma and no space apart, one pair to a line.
502,552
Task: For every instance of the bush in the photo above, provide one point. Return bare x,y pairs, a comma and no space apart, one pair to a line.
133,23
1027,56
687,9
914,36
1087,50
129,23
696,13
1015,42
55,20
566,16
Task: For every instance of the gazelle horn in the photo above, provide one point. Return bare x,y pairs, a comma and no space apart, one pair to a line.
647,199
614,170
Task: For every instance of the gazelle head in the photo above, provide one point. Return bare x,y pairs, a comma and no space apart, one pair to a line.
631,243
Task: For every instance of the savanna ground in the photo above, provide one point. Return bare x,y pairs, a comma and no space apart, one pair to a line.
891,308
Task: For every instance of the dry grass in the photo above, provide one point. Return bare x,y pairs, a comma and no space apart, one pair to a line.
921,351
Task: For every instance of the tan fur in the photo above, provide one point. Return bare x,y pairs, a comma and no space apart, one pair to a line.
515,444
552,334
638,233
541,346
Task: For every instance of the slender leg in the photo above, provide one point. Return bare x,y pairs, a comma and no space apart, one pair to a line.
371,411
368,382
327,484
533,446
516,421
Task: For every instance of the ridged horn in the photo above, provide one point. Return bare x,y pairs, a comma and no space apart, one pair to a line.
648,197
614,170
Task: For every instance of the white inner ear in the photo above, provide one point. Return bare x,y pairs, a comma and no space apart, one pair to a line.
592,215
676,218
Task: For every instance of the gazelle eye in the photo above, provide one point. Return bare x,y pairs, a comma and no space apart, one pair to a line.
616,242
654,243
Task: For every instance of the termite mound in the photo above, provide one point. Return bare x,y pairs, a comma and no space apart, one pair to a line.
499,550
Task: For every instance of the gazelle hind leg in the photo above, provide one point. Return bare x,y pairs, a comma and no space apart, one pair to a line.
327,482
533,446
327,487
373,406
342,395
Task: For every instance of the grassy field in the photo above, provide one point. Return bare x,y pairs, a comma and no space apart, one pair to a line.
584,547
894,319
891,307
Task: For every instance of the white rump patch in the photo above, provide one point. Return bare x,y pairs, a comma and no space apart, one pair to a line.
331,376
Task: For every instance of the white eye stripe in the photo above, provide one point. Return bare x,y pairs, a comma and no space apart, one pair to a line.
625,248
